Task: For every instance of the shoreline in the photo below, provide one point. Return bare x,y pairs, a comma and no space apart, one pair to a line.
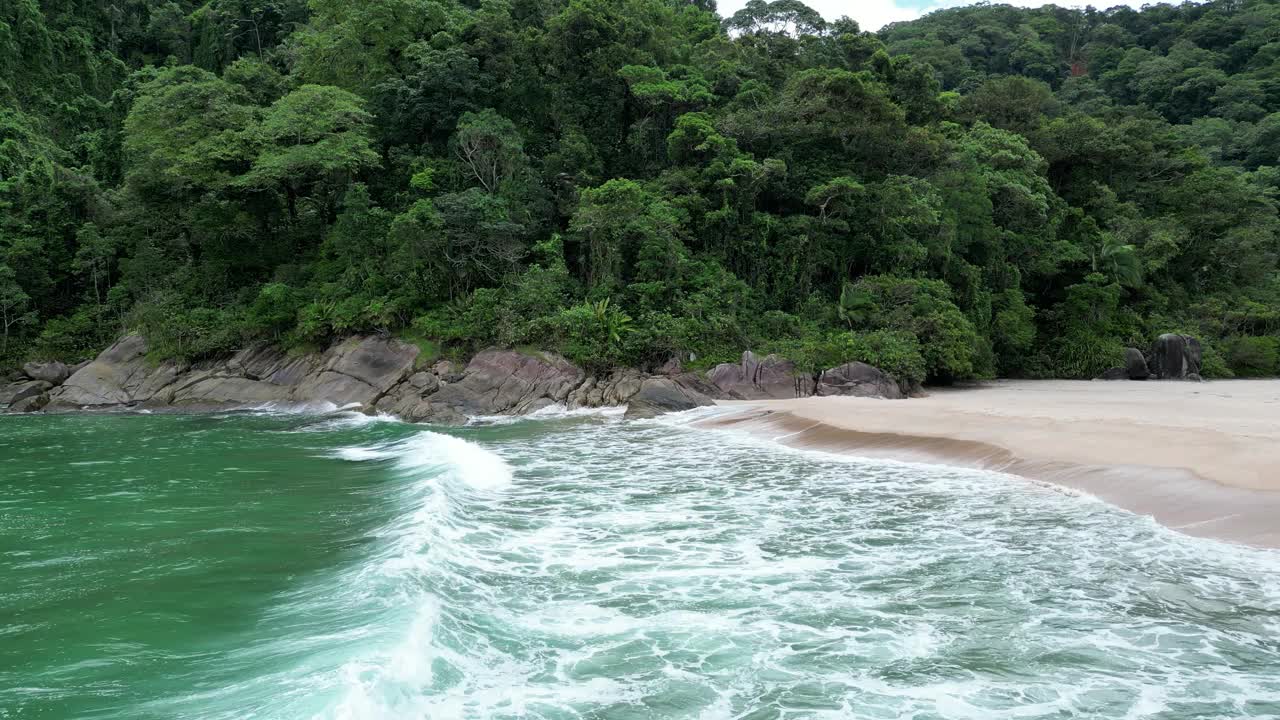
1200,459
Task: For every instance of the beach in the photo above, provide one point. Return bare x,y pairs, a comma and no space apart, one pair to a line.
1202,458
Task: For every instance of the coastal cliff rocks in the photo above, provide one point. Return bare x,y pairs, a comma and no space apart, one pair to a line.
658,395
770,378
15,393
356,371
506,382
29,390
119,376
381,374
1176,357
858,379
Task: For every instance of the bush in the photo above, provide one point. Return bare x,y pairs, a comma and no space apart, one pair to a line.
893,351
76,337
1253,356
1084,356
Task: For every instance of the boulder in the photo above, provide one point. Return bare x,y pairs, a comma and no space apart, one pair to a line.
447,371
30,404
53,373
119,376
772,377
1135,365
1115,373
658,395
616,388
506,382
15,393
1176,357
858,379
408,399
358,370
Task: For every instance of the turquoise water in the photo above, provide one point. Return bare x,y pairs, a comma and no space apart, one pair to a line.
275,566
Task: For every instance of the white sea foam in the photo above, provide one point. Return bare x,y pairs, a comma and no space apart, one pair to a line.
632,567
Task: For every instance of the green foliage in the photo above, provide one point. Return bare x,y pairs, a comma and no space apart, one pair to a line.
1253,356
988,189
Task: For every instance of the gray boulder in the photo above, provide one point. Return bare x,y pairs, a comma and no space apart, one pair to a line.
30,404
1135,365
505,382
15,393
858,379
119,376
53,373
359,370
1115,373
658,395
1176,357
770,378
616,388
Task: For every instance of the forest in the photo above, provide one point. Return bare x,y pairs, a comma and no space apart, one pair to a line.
987,191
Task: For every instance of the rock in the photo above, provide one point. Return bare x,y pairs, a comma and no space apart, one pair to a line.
1115,373
671,367
447,371
359,370
117,377
1175,357
15,393
53,373
30,404
614,389
407,399
658,395
506,382
1135,365
858,379
773,377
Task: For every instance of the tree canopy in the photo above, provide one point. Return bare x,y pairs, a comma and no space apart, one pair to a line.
987,190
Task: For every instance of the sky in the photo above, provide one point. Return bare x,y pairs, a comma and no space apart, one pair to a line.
874,14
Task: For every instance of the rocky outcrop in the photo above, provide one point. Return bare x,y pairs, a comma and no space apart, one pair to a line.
1135,365
15,393
658,395
358,371
118,377
858,379
1176,357
506,382
54,373
379,374
770,378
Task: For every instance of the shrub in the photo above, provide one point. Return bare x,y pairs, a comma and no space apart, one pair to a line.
1253,356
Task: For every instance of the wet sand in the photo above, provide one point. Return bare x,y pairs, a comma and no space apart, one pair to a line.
1202,458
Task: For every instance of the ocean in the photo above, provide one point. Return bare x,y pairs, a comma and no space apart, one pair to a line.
583,566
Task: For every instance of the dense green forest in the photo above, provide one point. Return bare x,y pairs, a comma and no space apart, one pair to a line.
985,191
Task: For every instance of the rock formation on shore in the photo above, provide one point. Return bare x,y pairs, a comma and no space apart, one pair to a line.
379,374
1172,357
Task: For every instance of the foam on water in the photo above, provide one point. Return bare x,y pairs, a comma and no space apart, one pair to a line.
594,568
646,570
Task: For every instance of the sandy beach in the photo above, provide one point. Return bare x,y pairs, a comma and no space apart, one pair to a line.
1202,458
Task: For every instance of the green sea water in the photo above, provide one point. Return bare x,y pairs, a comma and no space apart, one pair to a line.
582,566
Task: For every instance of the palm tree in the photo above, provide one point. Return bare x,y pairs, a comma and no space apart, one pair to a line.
1117,260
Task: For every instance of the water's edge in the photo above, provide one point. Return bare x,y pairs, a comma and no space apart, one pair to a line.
1176,498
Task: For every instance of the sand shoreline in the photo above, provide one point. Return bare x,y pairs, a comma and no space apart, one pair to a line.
1203,459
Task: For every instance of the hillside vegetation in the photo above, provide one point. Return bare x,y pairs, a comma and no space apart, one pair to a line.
986,191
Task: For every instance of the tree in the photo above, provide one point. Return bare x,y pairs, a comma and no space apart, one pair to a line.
490,149
312,141
14,305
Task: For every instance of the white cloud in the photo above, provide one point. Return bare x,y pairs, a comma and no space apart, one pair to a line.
875,14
